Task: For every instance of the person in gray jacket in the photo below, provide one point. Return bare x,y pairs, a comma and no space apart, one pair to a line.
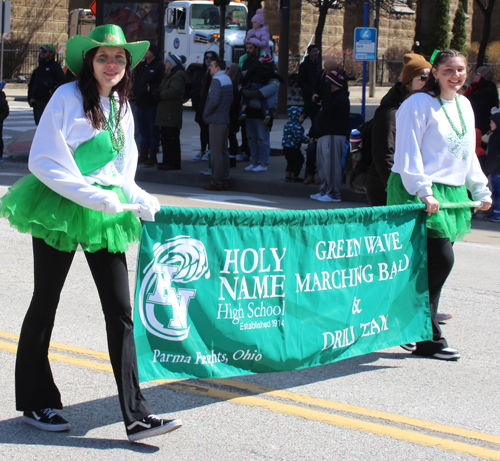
216,116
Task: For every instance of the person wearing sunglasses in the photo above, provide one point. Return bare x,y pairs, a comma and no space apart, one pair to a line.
413,77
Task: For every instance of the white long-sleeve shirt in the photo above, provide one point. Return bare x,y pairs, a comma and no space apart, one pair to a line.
62,128
429,151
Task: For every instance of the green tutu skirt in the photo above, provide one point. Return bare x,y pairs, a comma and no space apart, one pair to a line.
32,207
451,223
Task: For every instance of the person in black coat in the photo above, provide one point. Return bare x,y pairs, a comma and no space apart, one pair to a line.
309,70
147,78
199,92
234,73
44,81
4,113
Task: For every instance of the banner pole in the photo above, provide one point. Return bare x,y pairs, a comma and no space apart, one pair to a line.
442,206
461,205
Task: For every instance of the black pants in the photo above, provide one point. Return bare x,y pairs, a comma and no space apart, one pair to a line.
204,137
171,146
38,110
233,144
294,160
375,189
311,159
35,387
440,259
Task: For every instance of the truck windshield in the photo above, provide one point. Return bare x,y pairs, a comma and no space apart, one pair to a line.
208,17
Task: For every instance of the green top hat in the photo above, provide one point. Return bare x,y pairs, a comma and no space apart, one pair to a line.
107,35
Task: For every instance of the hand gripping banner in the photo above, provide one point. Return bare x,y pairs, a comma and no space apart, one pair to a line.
223,293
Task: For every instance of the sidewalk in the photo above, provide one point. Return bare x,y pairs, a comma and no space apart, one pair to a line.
269,182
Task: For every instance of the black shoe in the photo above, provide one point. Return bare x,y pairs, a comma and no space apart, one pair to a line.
46,420
163,167
232,162
150,426
447,353
410,347
151,161
143,156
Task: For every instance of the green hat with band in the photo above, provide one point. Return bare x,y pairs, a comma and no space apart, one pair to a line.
107,35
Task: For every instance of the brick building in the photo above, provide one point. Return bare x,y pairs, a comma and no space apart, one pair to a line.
40,21
398,26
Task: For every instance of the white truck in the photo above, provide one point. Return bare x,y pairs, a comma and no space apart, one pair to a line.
193,27
81,22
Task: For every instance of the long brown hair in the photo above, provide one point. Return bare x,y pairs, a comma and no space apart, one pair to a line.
431,86
90,93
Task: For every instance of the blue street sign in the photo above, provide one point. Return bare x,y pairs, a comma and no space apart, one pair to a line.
365,44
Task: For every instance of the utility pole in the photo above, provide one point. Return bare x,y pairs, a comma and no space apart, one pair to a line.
2,28
222,37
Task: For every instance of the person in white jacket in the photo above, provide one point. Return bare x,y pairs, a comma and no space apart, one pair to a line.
83,161
435,162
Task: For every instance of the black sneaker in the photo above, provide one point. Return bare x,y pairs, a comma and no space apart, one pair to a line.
447,353
46,420
410,347
150,426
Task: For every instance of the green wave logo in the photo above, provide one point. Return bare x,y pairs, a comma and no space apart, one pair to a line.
163,308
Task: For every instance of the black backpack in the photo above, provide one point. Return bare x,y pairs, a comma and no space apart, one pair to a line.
358,163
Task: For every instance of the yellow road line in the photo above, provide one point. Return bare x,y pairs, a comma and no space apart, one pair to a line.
292,410
64,347
360,410
101,367
350,423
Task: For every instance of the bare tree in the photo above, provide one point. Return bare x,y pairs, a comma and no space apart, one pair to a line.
487,11
380,7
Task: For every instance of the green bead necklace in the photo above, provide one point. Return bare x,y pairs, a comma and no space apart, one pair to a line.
117,135
462,123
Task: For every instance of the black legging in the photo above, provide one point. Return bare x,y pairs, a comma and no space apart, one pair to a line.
440,259
35,387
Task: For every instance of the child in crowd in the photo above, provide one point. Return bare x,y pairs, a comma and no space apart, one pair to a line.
293,137
258,35
257,77
4,113
492,166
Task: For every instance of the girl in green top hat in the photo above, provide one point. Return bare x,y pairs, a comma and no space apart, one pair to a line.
83,161
435,163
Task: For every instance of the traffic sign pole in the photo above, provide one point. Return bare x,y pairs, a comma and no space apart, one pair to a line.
365,49
363,100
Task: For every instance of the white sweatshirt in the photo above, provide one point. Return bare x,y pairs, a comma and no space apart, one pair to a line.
429,151
62,128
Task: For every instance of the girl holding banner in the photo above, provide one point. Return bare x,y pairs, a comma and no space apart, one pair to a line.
83,161
435,162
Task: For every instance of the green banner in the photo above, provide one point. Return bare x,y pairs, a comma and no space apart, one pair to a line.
222,293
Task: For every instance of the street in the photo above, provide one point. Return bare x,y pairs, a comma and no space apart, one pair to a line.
388,405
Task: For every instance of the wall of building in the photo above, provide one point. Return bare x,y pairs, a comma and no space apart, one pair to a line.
40,21
75,4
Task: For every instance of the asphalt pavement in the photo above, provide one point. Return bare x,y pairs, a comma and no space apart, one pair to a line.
387,406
